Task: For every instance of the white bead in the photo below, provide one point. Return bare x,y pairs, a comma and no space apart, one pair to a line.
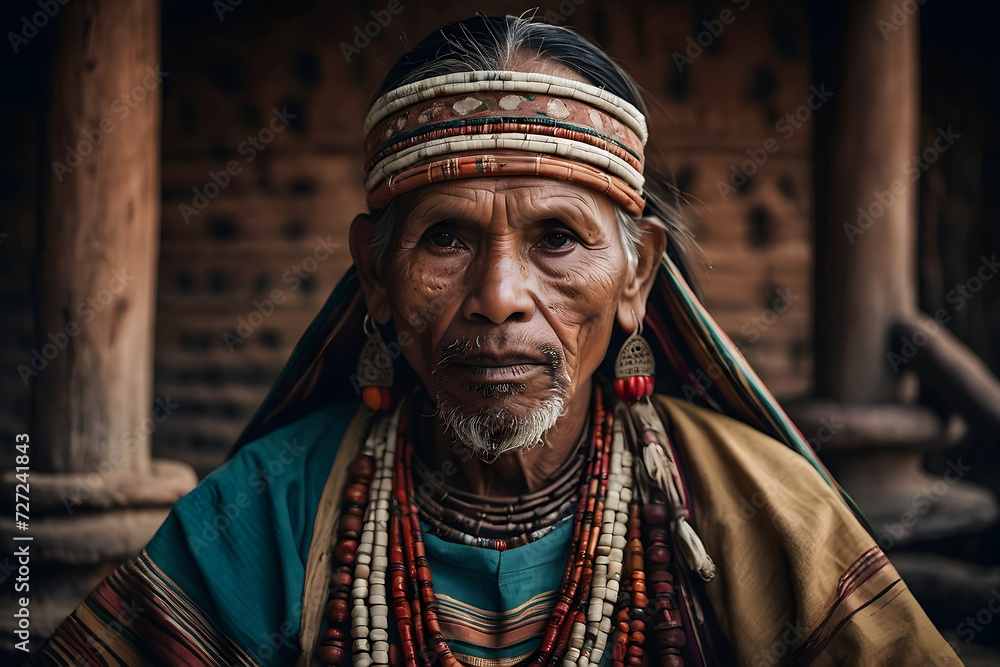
379,617
378,635
594,611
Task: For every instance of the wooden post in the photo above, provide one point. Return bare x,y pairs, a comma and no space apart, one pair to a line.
866,289
97,497
865,254
101,235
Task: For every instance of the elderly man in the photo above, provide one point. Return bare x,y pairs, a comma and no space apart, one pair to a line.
472,456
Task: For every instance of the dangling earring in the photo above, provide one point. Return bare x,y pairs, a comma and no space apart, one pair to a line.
635,368
375,370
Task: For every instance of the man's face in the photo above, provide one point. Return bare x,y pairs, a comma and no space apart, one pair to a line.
504,292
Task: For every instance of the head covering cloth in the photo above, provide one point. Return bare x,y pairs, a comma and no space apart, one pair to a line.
497,123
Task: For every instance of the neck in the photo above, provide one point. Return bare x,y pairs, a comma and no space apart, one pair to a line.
516,472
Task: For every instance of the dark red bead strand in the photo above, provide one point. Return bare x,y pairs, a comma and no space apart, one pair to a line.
399,583
666,617
589,522
333,649
435,637
406,538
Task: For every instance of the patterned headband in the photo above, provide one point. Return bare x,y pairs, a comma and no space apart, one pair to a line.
545,125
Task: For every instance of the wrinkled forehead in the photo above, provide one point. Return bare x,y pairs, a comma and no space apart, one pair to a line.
518,199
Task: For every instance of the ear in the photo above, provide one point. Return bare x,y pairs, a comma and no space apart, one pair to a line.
372,286
632,305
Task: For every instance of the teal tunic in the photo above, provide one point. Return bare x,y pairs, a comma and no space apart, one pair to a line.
237,547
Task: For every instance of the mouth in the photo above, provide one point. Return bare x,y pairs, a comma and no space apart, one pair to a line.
499,369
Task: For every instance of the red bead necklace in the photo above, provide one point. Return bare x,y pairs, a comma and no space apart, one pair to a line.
412,593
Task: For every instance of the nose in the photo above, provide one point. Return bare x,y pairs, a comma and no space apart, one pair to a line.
500,289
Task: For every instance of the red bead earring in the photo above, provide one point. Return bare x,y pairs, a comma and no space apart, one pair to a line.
635,368
375,370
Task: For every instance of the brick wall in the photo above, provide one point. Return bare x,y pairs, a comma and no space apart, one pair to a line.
244,270
225,264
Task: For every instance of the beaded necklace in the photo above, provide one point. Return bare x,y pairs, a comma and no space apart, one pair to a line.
499,523
380,560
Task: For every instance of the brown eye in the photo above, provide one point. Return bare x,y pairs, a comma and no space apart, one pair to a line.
441,239
558,241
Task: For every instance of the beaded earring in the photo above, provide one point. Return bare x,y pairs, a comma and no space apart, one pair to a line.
635,368
375,370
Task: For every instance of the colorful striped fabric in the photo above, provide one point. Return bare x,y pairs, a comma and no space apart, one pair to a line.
493,606
139,616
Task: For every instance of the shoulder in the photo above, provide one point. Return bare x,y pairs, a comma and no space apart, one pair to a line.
278,477
724,440
742,479
252,520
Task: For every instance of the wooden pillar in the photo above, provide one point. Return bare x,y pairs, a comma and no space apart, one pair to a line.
866,283
97,497
100,236
865,254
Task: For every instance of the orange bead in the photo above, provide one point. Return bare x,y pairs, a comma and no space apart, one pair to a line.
372,396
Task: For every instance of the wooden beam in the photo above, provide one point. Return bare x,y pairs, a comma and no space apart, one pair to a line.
946,364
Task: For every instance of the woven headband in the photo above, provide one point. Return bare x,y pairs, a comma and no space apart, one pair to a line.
479,124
